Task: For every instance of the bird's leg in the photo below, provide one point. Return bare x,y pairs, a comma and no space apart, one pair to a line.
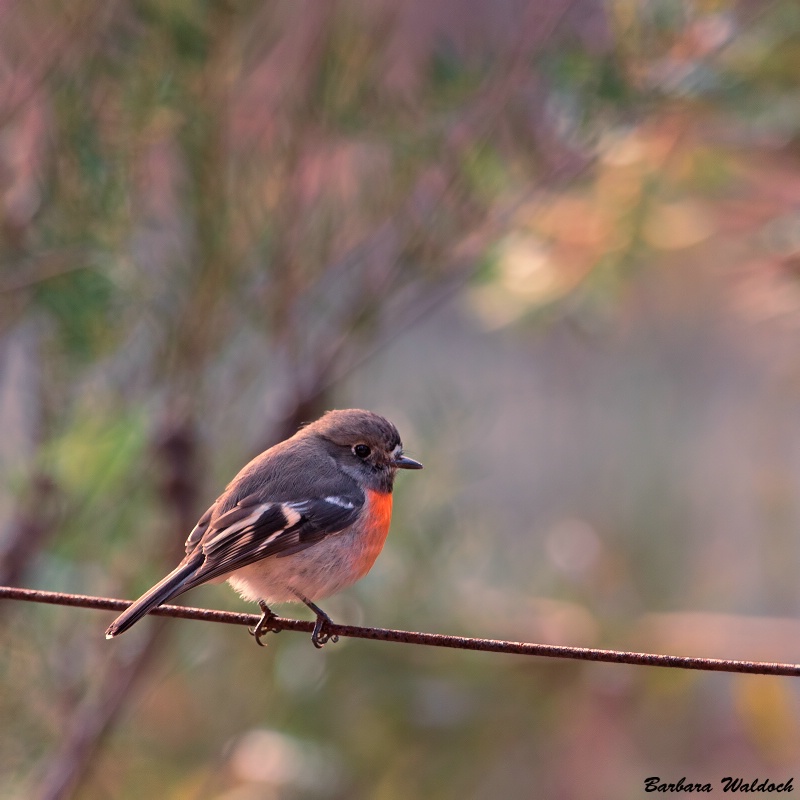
320,636
263,626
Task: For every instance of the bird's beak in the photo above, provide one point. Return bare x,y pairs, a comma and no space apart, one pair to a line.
404,462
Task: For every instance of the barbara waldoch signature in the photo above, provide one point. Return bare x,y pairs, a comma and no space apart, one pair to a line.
727,784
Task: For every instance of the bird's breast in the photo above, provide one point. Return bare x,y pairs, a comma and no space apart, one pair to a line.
377,518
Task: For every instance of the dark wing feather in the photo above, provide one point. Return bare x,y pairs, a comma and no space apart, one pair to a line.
242,536
197,533
241,510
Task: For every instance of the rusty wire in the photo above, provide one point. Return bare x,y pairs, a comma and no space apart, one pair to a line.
414,637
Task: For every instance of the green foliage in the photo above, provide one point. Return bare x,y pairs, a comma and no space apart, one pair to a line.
81,304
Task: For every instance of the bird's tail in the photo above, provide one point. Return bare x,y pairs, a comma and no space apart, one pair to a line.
173,584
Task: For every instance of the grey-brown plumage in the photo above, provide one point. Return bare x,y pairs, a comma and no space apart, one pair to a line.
299,522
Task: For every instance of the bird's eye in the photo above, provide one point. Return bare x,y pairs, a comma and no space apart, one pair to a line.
361,450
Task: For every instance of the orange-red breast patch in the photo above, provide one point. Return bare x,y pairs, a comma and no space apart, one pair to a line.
378,519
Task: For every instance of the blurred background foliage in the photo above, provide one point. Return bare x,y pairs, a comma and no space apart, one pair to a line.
557,242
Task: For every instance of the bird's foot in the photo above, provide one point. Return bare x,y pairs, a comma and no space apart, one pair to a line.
264,625
320,636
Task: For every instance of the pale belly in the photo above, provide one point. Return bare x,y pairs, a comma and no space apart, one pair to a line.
321,570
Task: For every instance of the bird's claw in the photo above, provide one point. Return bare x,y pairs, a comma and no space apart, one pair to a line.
264,625
320,636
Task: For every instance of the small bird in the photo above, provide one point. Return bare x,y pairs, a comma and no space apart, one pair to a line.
301,521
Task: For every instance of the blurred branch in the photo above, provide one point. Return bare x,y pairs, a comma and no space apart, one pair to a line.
45,267
92,721
415,637
96,714
32,524
52,55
